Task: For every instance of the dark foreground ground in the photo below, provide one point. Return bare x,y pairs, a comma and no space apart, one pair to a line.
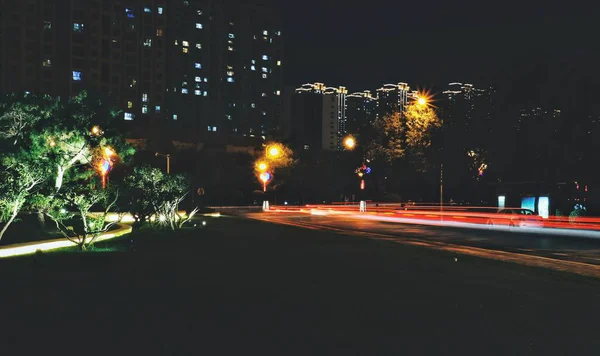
240,287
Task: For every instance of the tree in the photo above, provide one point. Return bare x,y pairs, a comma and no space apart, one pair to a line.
17,181
399,133
149,192
19,113
81,197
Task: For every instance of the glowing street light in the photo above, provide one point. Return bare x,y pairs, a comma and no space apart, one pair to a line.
108,152
262,166
274,152
422,101
265,177
96,131
349,143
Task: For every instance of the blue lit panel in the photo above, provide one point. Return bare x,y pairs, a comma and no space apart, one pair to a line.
528,203
501,201
544,207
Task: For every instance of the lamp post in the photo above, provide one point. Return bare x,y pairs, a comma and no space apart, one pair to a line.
168,156
105,164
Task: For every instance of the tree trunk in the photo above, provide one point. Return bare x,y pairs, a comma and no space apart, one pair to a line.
41,220
12,218
59,178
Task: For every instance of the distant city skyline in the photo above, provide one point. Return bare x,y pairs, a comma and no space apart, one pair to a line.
364,46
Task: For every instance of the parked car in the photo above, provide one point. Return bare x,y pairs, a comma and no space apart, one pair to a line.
516,218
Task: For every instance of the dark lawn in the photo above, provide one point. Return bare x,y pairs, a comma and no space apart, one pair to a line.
241,287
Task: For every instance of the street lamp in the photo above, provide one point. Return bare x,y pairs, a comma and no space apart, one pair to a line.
349,143
422,101
262,166
105,164
265,177
273,152
168,156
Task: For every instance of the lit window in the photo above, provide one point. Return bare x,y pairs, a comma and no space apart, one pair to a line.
270,40
205,93
265,57
129,105
184,91
133,83
278,63
198,45
76,75
199,12
176,42
252,67
144,97
230,73
47,63
159,32
278,33
231,35
265,70
264,76
253,105
184,50
264,95
230,80
254,61
205,80
47,25
209,128
160,10
185,43
77,27
147,9
230,49
130,13
174,116
265,32
197,65
199,26
144,109
157,109
148,42
128,116
264,113
214,129
278,92
197,92
198,79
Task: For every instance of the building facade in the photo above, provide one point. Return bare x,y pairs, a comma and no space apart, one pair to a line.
392,98
318,117
468,113
361,111
211,66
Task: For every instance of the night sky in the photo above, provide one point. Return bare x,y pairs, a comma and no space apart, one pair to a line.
363,45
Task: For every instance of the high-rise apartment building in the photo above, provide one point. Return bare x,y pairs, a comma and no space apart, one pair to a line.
468,111
392,98
361,111
214,66
318,117
334,118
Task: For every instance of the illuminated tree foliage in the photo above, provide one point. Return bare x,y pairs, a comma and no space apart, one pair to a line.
70,211
46,145
399,133
151,193
17,182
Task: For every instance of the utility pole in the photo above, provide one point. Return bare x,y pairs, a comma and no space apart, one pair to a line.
168,156
441,187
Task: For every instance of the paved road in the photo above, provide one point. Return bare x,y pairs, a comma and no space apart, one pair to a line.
562,248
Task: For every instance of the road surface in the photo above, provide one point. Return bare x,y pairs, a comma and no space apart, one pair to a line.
543,247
